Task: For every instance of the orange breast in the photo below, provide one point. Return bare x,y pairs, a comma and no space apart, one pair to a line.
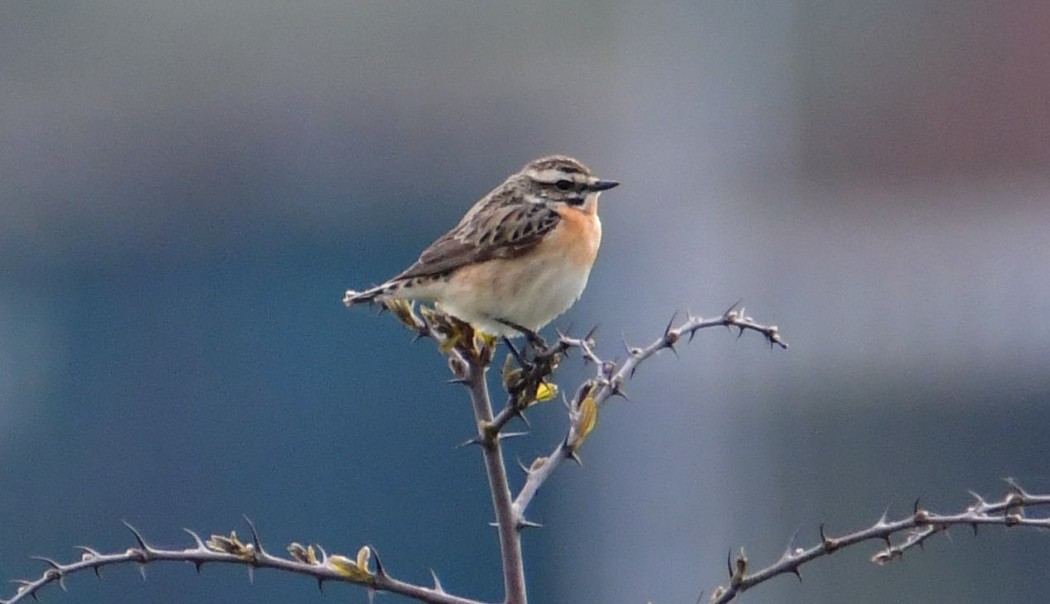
577,236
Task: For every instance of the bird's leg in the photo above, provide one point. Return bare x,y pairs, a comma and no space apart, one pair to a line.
517,355
538,345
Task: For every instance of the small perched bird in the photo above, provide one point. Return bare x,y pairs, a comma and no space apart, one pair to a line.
518,259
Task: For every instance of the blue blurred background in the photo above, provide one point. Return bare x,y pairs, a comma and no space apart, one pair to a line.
187,188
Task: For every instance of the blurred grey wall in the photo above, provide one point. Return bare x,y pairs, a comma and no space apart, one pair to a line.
187,188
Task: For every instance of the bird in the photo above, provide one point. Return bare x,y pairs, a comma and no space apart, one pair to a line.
519,258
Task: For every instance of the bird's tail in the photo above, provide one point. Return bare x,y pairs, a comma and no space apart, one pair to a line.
352,297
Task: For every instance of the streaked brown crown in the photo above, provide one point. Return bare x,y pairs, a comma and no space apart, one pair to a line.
559,179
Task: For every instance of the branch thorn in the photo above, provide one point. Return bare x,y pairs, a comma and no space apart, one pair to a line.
138,537
1016,487
437,582
590,334
829,543
732,308
980,500
473,441
670,323
789,550
520,414
380,569
631,351
89,553
562,336
93,552
53,564
884,518
196,538
524,524
255,536
573,455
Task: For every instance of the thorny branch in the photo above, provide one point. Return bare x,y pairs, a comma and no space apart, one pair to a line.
507,524
610,379
228,549
525,384
914,530
469,356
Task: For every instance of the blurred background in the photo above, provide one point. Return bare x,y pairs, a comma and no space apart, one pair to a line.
187,188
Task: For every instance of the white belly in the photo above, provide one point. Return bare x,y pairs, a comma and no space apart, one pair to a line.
529,293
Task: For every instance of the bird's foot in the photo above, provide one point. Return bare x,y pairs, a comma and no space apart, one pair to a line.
535,350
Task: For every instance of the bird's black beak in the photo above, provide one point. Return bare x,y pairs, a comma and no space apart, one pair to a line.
602,185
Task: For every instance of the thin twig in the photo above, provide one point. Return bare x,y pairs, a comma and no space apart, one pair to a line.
915,530
733,319
611,377
229,550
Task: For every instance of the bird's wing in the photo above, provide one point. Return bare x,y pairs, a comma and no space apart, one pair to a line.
493,232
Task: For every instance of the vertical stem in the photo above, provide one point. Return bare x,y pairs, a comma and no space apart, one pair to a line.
507,523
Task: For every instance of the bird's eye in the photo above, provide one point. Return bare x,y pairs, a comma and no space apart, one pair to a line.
563,185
